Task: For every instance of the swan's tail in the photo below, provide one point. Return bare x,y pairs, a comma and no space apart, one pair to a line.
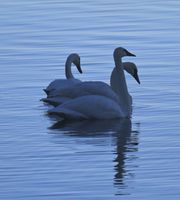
55,101
46,91
49,101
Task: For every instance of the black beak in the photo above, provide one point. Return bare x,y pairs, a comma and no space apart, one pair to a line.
136,77
129,54
79,68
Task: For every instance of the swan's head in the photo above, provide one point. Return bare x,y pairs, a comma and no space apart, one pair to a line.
131,68
121,52
75,59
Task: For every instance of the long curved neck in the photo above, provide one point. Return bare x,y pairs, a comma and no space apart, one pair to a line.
68,69
118,84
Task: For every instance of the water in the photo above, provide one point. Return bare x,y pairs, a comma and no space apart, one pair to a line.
129,159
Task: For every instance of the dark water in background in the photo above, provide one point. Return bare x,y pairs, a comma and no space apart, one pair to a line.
137,159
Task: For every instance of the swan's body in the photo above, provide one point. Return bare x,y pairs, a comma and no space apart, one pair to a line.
59,84
100,106
83,89
89,107
88,88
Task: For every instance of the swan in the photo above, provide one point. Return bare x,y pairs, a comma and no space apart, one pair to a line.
98,106
91,88
59,84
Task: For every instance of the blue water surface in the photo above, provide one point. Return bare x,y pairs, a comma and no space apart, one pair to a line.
121,159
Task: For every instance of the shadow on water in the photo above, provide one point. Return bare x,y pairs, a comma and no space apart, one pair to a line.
94,127
126,146
124,138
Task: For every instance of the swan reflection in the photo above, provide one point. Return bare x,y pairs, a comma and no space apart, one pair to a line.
126,142
123,139
92,126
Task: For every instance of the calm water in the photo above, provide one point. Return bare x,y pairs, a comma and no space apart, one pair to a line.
129,159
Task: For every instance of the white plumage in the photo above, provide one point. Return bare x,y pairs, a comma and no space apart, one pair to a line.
97,100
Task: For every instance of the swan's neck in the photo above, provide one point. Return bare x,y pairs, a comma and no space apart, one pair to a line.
118,84
68,69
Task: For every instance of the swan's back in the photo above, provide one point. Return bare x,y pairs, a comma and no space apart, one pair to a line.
89,88
59,84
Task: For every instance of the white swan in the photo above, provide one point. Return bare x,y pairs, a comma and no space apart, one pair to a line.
90,88
59,84
98,106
